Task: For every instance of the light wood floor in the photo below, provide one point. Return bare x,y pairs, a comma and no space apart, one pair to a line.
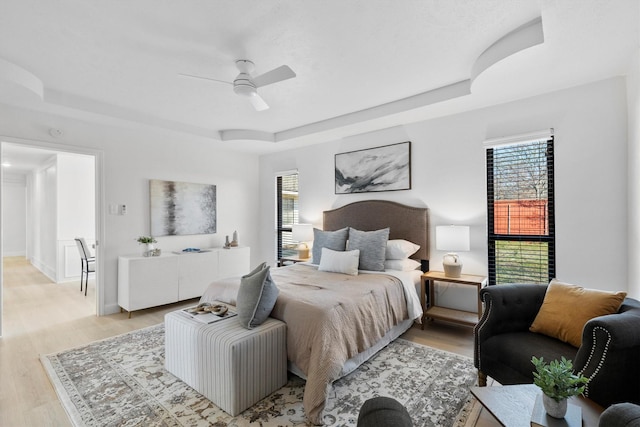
41,317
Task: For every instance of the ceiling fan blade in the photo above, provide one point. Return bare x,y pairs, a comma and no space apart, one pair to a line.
257,102
276,75
204,78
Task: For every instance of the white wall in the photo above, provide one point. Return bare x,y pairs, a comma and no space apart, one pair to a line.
76,196
43,218
14,213
75,211
63,201
448,176
132,156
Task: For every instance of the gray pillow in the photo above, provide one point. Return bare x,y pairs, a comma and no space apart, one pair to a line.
334,240
256,297
372,246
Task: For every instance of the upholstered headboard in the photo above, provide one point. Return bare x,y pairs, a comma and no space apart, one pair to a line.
405,222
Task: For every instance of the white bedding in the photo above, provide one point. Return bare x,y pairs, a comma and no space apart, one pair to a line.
410,281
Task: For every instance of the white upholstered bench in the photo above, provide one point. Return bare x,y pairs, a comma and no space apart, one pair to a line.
232,366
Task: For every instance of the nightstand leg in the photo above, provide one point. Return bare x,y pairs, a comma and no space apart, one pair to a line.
423,295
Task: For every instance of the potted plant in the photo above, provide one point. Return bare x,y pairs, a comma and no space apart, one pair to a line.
148,241
557,382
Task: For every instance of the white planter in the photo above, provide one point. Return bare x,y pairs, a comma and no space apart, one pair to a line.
553,407
148,247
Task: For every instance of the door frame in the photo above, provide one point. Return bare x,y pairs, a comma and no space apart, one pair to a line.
98,156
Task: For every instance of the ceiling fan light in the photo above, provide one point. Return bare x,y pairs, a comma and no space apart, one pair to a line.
244,89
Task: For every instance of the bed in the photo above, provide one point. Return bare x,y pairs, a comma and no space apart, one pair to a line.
337,321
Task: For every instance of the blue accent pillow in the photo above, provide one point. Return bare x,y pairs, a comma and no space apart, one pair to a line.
334,240
372,246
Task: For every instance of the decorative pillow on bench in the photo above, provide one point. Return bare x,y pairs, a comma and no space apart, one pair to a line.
567,308
256,297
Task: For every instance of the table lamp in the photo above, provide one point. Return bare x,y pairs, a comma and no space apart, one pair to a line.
452,238
302,233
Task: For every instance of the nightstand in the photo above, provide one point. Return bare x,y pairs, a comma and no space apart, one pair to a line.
291,260
432,311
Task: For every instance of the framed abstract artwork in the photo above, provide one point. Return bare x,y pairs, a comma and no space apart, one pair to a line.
386,168
182,208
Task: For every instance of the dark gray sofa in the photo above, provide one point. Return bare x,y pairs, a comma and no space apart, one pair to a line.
609,355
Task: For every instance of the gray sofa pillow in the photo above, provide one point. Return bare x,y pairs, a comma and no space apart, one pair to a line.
334,240
372,246
256,297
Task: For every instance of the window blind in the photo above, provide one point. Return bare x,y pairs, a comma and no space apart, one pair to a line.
287,213
521,211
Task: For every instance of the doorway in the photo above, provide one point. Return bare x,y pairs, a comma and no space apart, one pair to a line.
62,187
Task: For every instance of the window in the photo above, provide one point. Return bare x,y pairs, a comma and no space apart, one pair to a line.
520,208
287,213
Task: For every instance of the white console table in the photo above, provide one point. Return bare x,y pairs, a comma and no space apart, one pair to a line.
145,282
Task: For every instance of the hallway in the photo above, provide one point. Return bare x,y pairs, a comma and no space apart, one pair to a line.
33,302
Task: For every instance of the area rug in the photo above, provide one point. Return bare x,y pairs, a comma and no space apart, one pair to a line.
121,381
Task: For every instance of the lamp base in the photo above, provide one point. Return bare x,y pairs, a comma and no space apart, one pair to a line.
303,253
452,270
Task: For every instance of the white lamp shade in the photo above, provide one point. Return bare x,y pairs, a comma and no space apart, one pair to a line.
302,232
452,238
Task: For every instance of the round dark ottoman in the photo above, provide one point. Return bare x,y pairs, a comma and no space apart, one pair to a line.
621,415
383,412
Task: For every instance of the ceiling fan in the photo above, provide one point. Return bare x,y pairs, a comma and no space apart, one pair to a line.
245,85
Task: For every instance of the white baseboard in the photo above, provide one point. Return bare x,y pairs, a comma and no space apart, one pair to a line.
16,253
111,309
47,271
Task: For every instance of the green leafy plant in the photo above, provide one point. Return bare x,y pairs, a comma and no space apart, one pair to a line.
146,239
556,379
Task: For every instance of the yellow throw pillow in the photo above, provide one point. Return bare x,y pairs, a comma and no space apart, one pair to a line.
567,308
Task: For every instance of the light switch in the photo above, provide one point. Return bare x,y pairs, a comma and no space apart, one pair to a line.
113,209
123,209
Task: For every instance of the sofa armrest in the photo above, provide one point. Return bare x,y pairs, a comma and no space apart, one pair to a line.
623,328
608,344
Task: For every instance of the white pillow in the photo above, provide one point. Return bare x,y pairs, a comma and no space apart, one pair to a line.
402,264
345,262
400,249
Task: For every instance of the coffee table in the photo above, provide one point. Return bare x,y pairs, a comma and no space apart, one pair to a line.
512,405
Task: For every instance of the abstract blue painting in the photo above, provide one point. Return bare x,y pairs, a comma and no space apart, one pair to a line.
385,168
182,208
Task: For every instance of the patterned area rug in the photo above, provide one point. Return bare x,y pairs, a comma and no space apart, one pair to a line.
121,381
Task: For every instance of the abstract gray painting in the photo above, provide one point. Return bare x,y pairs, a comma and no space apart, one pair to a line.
384,168
179,208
